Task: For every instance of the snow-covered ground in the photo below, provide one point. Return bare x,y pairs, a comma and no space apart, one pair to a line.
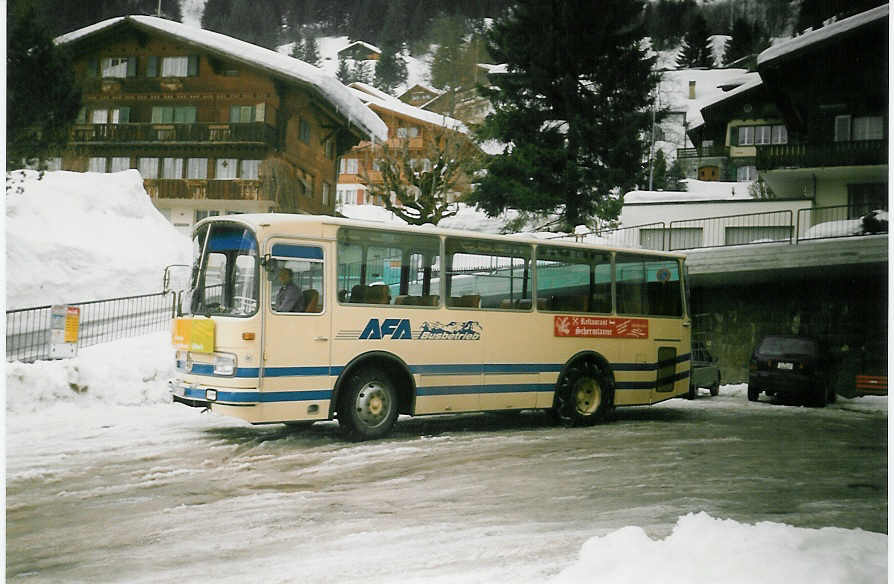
125,381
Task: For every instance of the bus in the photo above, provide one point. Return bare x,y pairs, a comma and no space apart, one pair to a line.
422,320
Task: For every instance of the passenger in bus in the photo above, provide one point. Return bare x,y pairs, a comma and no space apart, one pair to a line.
288,298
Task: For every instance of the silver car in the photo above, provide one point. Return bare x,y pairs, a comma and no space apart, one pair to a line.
704,372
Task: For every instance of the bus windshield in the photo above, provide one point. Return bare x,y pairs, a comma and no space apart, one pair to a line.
224,272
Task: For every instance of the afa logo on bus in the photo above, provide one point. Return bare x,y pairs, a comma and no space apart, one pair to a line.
399,328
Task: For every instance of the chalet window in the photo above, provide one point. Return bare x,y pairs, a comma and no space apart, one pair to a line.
780,134
745,173
118,115
197,168
304,131
762,134
54,163
326,189
348,166
420,164
119,163
225,168
176,66
243,114
869,128
96,164
184,114
201,214
172,168
250,169
849,128
118,67
408,132
755,135
148,167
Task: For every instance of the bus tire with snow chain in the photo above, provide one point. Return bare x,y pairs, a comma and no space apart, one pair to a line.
584,395
368,405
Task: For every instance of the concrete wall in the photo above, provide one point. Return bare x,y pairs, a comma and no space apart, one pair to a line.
848,314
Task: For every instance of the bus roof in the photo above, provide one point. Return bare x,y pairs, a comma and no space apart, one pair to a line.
282,222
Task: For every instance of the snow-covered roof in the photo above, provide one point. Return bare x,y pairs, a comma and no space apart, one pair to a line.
374,97
754,81
282,66
363,44
810,38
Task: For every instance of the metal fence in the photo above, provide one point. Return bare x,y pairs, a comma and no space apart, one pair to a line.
746,229
769,227
28,329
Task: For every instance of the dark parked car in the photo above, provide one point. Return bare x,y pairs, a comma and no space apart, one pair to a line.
704,372
790,366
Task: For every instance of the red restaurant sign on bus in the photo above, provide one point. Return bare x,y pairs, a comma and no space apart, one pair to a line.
602,327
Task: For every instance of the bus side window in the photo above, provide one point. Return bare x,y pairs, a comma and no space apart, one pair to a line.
488,274
383,267
648,286
573,280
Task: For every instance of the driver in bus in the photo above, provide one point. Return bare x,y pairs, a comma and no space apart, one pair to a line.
288,298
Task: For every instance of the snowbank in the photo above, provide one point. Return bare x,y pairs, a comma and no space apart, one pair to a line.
717,551
73,237
129,372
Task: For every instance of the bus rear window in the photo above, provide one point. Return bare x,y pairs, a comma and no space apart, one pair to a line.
647,285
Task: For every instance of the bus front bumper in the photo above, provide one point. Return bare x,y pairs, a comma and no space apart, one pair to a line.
192,396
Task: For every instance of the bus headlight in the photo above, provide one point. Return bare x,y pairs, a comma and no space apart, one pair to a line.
224,364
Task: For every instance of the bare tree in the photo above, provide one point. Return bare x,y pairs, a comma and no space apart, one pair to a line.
415,183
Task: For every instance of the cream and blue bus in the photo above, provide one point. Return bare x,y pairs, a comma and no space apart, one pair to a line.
419,321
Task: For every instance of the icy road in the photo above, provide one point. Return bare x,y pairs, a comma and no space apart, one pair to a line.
161,493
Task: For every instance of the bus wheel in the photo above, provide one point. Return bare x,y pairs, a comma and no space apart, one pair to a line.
584,395
368,406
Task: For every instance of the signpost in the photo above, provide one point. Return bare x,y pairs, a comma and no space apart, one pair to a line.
64,326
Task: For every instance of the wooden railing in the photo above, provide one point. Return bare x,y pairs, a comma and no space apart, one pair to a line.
229,190
253,132
705,152
855,153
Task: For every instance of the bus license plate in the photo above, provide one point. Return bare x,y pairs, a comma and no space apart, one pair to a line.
785,365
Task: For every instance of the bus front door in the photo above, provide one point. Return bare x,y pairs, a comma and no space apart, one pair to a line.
296,372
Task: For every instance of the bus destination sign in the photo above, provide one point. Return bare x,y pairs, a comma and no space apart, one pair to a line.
602,327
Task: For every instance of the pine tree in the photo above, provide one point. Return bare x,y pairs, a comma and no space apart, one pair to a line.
659,171
696,50
745,41
311,52
573,109
675,177
42,97
391,69
343,73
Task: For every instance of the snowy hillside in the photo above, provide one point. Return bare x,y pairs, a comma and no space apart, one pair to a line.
73,237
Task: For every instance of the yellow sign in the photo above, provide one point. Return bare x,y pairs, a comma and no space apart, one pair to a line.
193,335
72,323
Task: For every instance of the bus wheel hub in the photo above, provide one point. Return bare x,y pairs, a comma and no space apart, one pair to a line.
587,396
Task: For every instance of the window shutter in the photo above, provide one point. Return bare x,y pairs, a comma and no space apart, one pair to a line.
842,128
123,115
193,67
156,115
131,66
259,112
93,67
234,114
152,66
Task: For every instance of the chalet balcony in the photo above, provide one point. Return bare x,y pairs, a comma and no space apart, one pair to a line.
196,133
704,152
196,189
856,153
